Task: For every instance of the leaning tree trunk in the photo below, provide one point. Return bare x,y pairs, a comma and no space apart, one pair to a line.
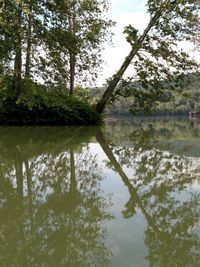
17,77
116,78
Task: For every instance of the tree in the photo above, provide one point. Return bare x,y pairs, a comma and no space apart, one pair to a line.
75,34
17,79
55,41
6,34
155,53
29,39
18,21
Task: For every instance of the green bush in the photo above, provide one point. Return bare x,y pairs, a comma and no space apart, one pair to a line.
40,107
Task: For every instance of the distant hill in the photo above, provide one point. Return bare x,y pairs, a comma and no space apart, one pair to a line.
179,96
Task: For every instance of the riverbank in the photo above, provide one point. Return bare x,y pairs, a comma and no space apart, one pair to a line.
48,111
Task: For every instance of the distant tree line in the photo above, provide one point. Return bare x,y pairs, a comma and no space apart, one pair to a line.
174,98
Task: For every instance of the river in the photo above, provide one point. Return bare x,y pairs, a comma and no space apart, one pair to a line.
124,194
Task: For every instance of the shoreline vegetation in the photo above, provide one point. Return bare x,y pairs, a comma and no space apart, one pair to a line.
41,105
74,112
44,105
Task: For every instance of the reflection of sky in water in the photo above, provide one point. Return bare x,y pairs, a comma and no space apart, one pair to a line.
126,236
130,239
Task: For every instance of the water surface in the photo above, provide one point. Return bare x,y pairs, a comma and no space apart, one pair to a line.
126,194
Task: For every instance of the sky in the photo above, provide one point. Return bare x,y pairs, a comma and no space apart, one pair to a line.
123,12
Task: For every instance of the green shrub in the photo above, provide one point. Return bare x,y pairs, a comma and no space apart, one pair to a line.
40,107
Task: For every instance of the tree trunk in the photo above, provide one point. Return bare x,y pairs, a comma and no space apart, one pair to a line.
29,43
116,78
72,54
72,72
17,79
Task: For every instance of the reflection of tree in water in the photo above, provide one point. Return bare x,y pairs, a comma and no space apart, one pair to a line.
160,188
152,129
52,209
